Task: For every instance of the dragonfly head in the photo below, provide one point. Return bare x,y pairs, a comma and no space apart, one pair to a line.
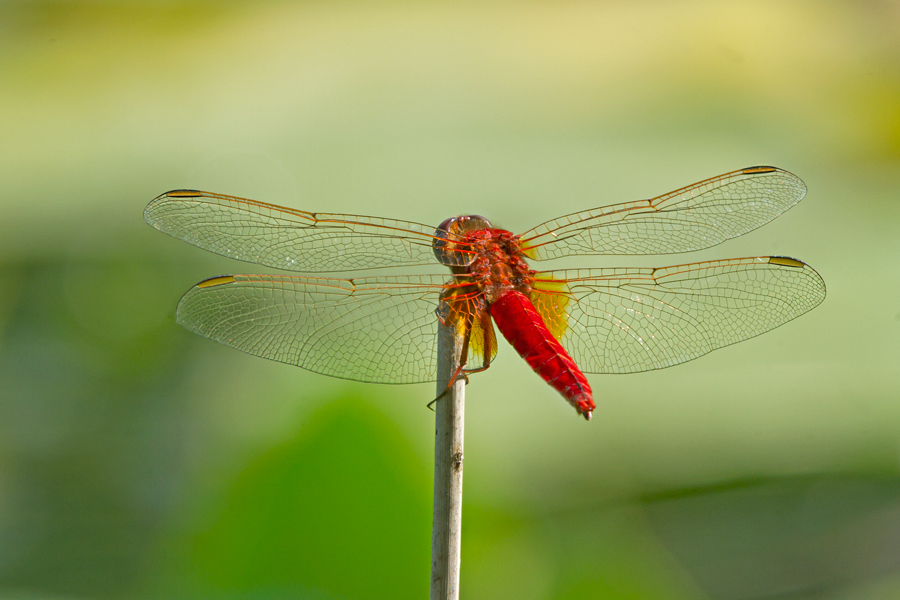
449,239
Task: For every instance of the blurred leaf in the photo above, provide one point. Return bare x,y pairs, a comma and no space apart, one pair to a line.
343,510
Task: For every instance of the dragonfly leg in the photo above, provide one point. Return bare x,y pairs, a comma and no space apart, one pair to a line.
453,379
460,372
467,372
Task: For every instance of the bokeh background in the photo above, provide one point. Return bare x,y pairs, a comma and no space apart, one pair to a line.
140,461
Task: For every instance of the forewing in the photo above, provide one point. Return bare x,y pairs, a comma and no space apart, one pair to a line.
288,239
691,218
626,320
373,329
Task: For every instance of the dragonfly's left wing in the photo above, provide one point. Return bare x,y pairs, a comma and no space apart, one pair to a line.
690,218
373,329
625,320
286,238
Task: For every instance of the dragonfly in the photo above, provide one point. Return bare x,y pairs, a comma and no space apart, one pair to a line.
564,323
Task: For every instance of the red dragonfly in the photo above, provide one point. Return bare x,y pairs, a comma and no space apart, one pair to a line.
564,323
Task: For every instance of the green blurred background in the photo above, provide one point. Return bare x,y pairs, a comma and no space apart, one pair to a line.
140,461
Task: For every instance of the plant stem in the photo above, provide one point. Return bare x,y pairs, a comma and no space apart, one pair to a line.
448,469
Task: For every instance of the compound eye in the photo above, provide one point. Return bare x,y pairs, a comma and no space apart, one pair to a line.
445,226
449,244
446,237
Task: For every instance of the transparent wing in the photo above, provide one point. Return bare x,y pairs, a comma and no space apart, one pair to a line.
625,320
691,218
373,329
288,239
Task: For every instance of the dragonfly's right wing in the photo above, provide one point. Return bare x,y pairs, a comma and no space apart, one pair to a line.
625,320
690,218
289,239
372,329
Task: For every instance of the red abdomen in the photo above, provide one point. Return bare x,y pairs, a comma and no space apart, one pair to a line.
523,327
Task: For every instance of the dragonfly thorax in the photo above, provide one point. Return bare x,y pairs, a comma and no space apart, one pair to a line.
498,264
